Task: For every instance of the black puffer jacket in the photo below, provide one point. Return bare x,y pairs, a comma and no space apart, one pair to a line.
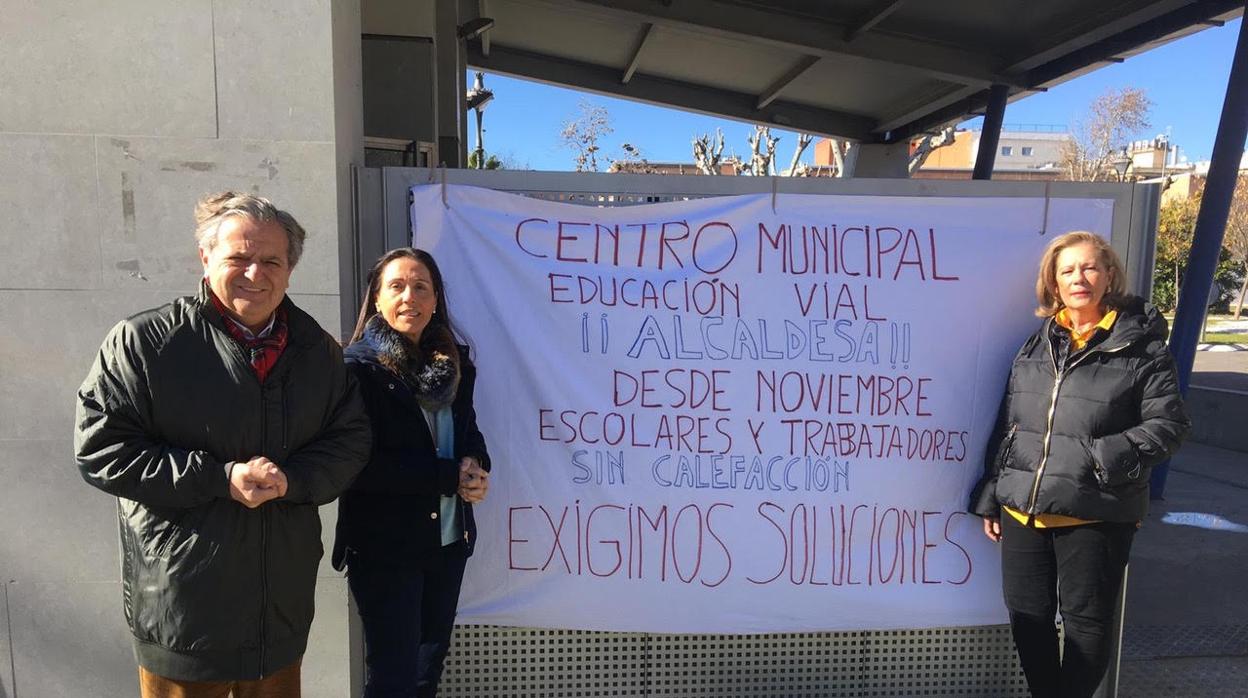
1079,432
214,590
390,513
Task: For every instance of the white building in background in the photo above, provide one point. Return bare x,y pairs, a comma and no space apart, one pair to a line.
1036,148
1201,167
1156,157
1034,152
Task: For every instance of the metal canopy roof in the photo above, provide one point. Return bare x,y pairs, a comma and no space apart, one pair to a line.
865,70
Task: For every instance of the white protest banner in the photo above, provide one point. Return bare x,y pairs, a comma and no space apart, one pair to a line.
713,416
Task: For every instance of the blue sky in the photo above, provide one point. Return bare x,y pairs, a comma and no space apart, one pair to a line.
1186,80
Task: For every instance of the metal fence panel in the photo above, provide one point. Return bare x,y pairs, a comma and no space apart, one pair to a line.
544,663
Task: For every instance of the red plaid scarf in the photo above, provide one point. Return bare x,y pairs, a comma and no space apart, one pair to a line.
264,351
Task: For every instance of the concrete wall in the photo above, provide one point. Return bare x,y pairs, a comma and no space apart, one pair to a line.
114,118
1218,417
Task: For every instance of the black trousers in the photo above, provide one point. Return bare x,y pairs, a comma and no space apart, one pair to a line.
1083,567
408,615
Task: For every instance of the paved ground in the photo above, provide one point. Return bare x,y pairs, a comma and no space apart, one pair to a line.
1221,369
1227,370
1187,592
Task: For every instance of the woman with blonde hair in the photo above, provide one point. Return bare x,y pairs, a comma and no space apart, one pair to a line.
1091,406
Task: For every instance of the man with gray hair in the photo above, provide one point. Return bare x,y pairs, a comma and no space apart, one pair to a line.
221,421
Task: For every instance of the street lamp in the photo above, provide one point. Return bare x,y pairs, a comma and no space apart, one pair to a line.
1121,164
478,98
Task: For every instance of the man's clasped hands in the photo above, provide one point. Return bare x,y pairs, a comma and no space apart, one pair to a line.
259,480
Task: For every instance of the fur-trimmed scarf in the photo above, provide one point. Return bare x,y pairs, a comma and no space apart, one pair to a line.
431,369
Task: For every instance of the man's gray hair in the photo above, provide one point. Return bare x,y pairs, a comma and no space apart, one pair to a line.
214,208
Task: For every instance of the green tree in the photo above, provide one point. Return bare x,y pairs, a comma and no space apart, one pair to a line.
1235,241
1175,228
1174,240
491,162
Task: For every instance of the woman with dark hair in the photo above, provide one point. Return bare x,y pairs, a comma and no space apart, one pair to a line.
1091,406
405,526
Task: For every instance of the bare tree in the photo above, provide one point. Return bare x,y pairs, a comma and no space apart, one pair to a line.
1235,239
633,161
707,154
927,144
841,149
1111,120
803,141
763,152
581,135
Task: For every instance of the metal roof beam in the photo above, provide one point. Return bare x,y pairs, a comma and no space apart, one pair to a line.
1175,14
771,93
670,93
872,17
799,34
974,103
1106,49
919,106
483,11
646,32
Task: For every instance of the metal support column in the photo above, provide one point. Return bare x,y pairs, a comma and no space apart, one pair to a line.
1215,207
461,88
448,95
991,134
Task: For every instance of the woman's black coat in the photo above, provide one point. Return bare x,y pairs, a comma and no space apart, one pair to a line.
1079,432
389,515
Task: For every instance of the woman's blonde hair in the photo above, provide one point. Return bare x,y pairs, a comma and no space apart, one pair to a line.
1046,283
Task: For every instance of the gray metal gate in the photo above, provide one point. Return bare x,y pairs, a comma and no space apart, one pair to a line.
502,661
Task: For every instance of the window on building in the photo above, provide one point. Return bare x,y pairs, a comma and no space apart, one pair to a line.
1027,151
1007,150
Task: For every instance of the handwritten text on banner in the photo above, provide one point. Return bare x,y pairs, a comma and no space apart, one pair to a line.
709,416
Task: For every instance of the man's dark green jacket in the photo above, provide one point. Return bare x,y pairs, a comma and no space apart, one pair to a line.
213,590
